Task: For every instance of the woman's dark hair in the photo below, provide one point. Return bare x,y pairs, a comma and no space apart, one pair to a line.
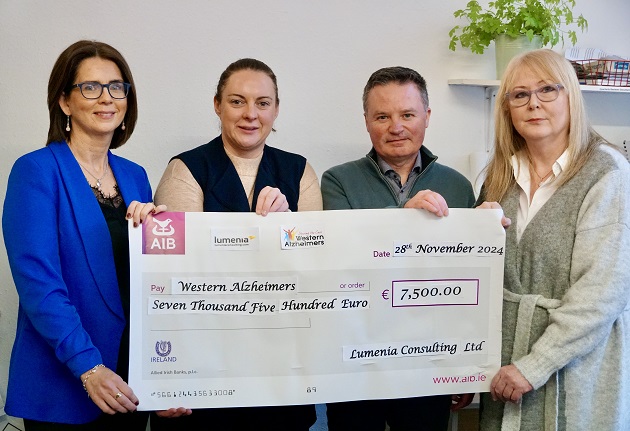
245,64
62,78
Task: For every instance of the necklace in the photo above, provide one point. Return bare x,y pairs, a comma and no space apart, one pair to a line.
98,180
533,169
543,178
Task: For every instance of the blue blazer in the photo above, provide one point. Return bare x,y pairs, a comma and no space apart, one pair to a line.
70,316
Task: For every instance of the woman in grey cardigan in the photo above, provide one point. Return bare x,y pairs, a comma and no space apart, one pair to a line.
566,315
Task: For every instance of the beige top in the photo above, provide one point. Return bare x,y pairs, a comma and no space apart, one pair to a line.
179,190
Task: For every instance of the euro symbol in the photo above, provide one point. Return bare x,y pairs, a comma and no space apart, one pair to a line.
385,294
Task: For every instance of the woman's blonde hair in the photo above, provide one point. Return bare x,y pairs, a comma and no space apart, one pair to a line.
582,139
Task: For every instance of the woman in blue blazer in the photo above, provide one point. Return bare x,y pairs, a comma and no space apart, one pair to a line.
65,230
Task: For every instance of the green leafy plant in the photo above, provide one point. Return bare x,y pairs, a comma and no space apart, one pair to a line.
546,18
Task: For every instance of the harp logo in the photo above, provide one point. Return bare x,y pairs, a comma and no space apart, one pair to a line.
163,350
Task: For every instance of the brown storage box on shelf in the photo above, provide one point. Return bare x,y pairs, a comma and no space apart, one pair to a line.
604,72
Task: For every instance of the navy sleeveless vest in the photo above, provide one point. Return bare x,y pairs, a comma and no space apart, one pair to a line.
222,187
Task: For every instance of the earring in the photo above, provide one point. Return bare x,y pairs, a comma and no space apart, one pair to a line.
68,124
122,127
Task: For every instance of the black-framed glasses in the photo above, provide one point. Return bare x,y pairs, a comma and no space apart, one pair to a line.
93,89
546,93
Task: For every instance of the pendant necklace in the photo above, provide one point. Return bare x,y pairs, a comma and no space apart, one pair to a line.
540,179
533,169
98,180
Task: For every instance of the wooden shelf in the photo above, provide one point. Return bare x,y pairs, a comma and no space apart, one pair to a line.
488,83
475,82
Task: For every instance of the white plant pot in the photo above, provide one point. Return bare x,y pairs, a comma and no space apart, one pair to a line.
507,47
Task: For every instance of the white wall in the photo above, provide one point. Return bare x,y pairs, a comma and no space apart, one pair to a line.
322,52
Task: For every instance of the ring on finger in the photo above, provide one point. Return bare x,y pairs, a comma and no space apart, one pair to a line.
118,395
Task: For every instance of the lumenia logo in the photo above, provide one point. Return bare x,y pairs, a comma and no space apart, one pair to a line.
245,238
302,237
163,350
164,233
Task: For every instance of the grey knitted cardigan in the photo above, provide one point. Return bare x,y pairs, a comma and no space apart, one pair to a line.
566,315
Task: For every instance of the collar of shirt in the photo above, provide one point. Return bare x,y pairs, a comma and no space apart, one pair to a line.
391,174
527,207
520,166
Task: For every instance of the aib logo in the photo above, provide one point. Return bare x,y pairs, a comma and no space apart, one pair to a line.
163,228
164,233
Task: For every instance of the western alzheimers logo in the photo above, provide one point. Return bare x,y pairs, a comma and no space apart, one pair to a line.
293,237
164,233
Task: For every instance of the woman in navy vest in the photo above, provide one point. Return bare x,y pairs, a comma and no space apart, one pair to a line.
238,172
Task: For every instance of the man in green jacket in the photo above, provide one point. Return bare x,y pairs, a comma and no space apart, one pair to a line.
398,172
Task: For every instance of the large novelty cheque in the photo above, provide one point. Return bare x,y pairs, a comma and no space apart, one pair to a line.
235,309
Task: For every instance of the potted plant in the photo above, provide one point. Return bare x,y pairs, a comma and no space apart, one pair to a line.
535,23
